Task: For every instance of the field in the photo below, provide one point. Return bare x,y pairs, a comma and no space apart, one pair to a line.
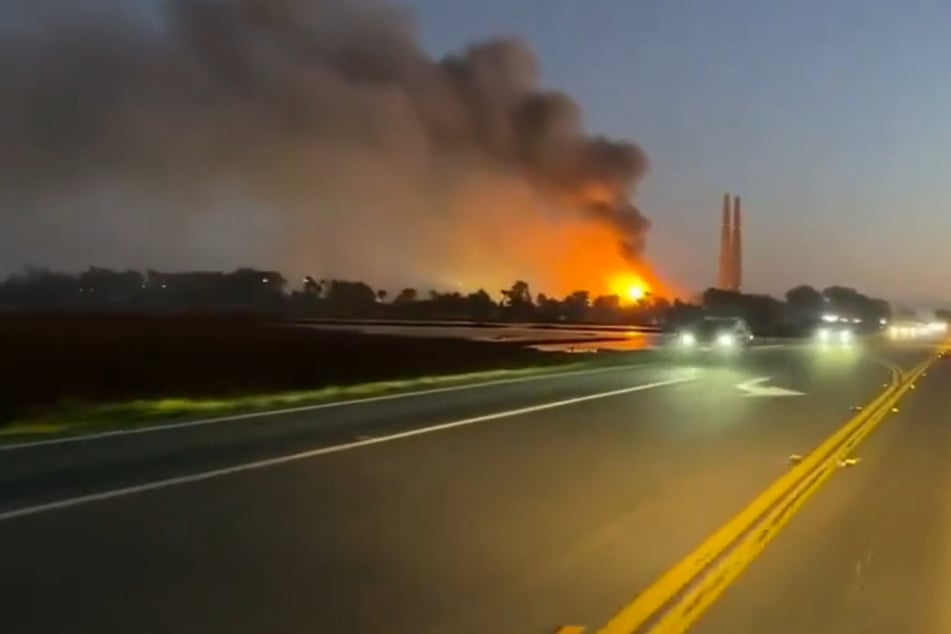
55,363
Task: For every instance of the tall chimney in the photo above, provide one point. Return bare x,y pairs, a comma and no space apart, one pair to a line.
725,277
736,245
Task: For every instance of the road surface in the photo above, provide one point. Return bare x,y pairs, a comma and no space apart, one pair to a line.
510,508
872,551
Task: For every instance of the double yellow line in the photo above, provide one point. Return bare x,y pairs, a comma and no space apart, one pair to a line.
676,600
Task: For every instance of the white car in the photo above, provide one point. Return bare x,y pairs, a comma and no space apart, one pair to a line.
715,333
837,334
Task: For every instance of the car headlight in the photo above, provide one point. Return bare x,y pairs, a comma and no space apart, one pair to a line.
726,340
687,338
823,334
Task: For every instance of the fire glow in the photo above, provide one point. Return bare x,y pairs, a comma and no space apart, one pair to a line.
630,288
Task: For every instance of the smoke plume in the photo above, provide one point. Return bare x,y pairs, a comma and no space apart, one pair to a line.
310,135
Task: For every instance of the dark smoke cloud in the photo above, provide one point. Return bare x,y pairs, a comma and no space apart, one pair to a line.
307,133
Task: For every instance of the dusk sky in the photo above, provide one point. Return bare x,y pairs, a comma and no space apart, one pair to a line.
163,134
831,119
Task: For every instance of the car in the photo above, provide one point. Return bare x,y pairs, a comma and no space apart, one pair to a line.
715,333
835,334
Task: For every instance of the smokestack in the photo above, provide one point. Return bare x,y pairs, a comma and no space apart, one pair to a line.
725,277
736,257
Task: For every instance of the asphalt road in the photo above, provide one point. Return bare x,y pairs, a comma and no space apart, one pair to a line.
513,508
871,552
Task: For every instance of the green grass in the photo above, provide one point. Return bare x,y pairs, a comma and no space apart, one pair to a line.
79,417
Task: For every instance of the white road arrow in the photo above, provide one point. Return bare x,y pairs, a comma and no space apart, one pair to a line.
755,387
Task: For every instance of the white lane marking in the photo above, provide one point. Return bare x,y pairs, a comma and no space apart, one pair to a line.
755,387
147,429
270,462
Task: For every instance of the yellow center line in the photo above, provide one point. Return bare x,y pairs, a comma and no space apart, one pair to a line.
695,602
679,596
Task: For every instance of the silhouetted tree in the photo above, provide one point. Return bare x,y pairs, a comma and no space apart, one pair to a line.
722,303
445,305
652,310
879,311
517,301
106,287
548,309
805,302
682,313
312,287
606,309
764,314
846,301
40,289
350,298
479,305
576,306
248,289
519,293
406,296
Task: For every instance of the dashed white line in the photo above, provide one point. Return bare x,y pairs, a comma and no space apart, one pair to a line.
148,429
271,462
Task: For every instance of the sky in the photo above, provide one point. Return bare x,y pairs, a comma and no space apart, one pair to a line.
830,119
203,134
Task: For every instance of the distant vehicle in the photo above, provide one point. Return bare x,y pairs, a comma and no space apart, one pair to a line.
719,333
913,329
835,333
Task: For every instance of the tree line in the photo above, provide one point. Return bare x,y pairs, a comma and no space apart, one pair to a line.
263,291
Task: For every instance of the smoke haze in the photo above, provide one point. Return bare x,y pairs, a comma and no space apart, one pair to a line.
305,135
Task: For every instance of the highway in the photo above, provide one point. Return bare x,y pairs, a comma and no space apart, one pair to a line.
510,508
872,551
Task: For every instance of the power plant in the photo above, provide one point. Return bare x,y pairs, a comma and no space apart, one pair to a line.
731,245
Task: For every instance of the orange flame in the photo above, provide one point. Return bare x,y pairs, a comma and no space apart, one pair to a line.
590,260
556,253
630,287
